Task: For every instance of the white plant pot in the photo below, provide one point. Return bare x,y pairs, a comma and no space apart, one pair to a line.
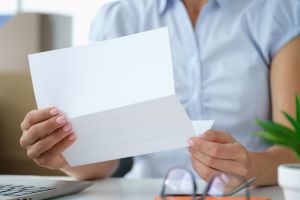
289,180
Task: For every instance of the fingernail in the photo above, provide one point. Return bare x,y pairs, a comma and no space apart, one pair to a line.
67,128
190,143
61,120
54,111
72,137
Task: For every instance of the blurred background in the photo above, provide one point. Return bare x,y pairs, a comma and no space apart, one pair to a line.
82,12
26,27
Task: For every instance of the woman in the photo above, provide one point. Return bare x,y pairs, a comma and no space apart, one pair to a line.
234,61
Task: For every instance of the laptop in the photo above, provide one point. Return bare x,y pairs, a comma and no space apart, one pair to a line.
24,188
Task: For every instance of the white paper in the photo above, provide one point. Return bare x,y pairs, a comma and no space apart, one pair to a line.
118,95
202,126
104,75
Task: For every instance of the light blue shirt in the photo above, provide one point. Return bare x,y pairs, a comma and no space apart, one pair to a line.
221,67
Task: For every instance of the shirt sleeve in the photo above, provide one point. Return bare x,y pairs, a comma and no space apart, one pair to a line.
113,20
286,24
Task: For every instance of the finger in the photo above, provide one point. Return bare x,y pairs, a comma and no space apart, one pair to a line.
42,129
217,136
36,116
216,150
53,163
48,142
203,171
228,166
47,158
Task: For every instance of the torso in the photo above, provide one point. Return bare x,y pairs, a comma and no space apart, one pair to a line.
221,70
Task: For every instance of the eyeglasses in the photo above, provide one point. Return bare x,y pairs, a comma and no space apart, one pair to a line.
180,183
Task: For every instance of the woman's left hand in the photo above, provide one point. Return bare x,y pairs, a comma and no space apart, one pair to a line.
217,151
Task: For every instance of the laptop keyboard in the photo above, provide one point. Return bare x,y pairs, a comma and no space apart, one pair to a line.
20,190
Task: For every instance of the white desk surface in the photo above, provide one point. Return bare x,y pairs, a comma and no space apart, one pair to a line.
137,189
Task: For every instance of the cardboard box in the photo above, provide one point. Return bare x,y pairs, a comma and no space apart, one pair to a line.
23,34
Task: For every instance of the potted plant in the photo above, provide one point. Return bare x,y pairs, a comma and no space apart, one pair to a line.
275,133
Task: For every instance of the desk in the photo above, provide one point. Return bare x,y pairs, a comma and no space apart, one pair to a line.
134,189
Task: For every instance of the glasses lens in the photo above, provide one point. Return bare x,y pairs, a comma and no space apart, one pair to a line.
225,185
179,181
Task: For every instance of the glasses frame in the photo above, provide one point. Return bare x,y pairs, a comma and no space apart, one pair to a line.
194,195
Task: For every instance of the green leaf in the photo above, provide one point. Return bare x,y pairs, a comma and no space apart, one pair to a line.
275,139
277,129
293,121
297,108
282,135
297,150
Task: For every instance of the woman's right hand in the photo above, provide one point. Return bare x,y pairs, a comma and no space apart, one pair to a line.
46,134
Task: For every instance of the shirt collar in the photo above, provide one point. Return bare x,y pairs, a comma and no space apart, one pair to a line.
227,4
224,3
162,5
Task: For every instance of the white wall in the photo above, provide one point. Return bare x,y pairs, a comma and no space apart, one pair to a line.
82,12
7,6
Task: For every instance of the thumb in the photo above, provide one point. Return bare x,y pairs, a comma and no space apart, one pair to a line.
217,136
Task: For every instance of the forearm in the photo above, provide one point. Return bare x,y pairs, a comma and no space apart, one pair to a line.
92,171
265,164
